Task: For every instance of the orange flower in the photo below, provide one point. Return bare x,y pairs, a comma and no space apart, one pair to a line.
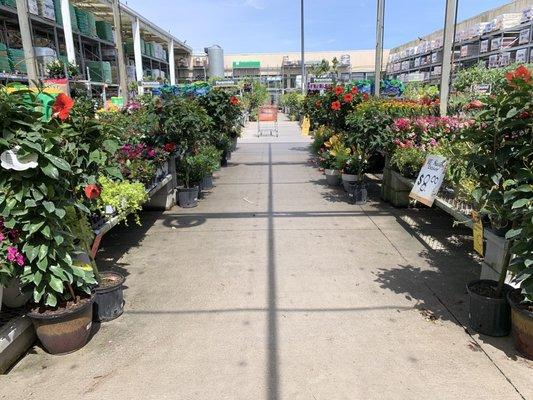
234,101
336,105
62,106
522,73
339,90
348,98
474,105
365,96
92,191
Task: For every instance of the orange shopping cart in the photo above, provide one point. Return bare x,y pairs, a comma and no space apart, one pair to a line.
267,120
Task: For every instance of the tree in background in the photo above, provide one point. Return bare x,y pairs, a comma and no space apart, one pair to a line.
255,94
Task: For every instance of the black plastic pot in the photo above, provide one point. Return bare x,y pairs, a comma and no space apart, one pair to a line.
64,330
188,197
487,315
109,298
224,159
207,182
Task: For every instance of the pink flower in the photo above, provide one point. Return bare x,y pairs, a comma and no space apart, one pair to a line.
12,253
20,260
432,142
402,124
2,237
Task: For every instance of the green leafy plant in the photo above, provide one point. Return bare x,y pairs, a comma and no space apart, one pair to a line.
125,197
502,160
34,197
407,161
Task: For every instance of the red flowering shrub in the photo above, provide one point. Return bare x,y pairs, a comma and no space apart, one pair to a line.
62,106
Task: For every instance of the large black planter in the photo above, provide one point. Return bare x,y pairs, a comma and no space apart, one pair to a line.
109,297
188,197
487,315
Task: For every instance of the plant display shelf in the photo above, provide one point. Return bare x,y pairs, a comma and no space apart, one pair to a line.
115,220
16,336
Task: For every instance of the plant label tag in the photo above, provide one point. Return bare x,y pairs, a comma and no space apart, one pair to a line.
478,233
429,180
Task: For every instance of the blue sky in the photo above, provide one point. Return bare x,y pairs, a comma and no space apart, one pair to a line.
248,26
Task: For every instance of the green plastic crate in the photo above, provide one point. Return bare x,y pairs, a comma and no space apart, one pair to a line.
57,9
104,30
100,71
9,3
92,25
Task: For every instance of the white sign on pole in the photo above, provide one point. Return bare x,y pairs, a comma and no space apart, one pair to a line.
429,180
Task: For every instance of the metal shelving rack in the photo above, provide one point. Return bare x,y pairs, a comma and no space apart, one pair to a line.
468,53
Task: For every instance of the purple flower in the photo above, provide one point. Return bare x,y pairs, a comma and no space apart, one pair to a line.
20,260
150,153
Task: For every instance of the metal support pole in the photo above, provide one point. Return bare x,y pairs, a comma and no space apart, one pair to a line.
380,24
121,60
136,30
303,47
171,62
67,30
27,44
450,21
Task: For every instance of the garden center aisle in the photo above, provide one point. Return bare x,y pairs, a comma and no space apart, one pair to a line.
275,287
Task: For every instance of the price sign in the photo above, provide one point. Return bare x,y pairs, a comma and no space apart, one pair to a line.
429,180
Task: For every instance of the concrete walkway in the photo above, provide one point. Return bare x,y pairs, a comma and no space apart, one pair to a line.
276,288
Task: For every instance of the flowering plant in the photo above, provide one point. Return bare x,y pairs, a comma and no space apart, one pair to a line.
502,159
33,202
10,255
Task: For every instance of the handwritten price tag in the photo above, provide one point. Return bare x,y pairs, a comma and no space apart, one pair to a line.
429,180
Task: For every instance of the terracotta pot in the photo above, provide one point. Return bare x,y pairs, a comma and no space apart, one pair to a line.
64,330
522,325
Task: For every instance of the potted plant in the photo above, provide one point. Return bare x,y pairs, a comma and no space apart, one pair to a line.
501,158
190,172
35,187
331,158
212,160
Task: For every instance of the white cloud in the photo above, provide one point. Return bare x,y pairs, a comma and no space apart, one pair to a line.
257,4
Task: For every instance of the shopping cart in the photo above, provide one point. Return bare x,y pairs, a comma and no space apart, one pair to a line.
267,121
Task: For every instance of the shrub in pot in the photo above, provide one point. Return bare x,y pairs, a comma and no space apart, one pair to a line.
191,170
35,189
501,158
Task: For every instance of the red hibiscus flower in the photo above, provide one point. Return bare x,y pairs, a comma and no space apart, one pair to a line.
318,104
524,115
234,101
339,90
92,191
365,96
355,90
520,73
169,147
62,106
336,105
348,98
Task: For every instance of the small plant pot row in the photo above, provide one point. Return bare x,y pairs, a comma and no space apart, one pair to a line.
356,190
490,313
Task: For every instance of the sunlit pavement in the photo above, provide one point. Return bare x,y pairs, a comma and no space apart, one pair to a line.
275,287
